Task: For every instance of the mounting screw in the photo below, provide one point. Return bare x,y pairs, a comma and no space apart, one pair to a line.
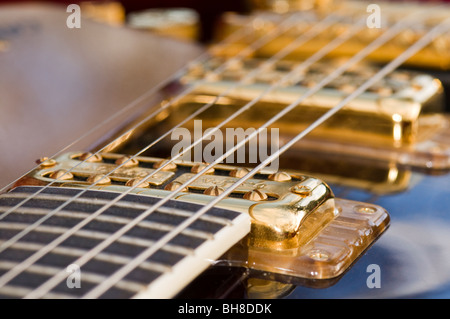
61,174
301,190
214,191
255,195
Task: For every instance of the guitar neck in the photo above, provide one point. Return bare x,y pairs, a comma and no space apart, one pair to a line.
161,275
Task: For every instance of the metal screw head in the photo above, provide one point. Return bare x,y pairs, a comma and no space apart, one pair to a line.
301,190
99,179
89,157
137,182
280,177
46,162
61,174
255,195
170,165
214,191
173,186
365,209
199,167
126,161
318,255
239,172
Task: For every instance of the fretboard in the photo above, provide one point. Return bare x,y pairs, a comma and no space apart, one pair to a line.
162,275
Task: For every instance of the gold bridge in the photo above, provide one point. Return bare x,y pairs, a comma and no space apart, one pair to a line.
296,220
372,143
399,111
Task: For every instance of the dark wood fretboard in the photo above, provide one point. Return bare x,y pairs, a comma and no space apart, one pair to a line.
170,268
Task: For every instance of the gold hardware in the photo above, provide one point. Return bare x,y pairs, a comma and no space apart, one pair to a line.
255,195
292,214
46,162
84,170
239,172
89,157
301,190
127,161
197,168
174,186
280,177
168,165
61,174
326,255
401,116
137,182
435,55
214,191
99,179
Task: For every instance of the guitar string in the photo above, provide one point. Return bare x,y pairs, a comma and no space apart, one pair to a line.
147,253
127,108
21,234
15,238
200,173
91,217
220,69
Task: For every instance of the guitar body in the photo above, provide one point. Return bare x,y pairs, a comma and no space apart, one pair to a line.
409,258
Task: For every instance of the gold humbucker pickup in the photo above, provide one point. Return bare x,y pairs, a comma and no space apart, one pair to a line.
399,119
299,229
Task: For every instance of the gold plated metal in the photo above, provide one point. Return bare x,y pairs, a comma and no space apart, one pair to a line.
88,172
197,168
61,174
213,190
166,165
296,219
99,179
400,119
327,255
127,161
435,55
173,186
46,162
239,172
255,195
280,177
89,157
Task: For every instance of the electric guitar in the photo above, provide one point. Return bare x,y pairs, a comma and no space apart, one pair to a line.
305,154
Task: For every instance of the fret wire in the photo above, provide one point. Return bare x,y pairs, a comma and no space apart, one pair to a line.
211,165
219,69
121,273
337,42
